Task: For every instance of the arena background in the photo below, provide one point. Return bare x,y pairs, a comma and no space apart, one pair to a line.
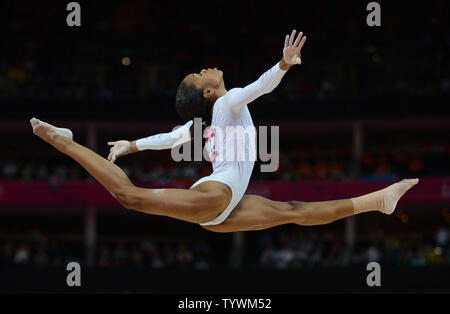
368,106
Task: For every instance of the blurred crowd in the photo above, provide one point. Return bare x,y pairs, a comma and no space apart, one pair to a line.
326,250
56,63
279,250
294,164
34,249
373,166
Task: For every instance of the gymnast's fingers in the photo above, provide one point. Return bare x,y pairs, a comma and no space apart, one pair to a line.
298,39
302,42
292,37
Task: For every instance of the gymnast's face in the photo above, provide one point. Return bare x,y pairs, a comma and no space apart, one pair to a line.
210,80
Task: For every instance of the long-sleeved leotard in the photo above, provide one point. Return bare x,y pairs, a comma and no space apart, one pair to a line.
229,111
237,98
233,157
169,140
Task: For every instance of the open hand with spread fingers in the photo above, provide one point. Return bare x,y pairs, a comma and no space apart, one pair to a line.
291,50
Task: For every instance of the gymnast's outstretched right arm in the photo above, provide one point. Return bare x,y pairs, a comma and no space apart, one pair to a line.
169,140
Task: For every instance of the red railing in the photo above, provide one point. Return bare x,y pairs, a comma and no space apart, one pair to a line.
15,192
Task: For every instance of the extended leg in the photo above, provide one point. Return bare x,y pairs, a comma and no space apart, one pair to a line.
189,205
256,212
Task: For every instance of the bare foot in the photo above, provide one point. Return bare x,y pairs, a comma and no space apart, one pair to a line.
48,132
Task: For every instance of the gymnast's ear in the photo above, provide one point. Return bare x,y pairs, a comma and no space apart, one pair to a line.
208,93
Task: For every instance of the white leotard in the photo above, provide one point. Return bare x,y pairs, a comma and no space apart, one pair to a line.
231,164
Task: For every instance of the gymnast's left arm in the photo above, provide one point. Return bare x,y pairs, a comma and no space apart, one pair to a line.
169,140
237,98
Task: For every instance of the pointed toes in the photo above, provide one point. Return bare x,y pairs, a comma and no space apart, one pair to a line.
34,122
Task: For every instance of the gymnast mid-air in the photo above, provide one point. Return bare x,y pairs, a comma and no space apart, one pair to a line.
217,202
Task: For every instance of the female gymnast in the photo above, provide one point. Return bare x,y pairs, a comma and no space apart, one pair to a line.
217,202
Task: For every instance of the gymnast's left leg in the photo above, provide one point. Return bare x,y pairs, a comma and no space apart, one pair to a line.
255,212
200,205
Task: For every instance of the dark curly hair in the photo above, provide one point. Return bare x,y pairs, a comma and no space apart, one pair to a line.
191,104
